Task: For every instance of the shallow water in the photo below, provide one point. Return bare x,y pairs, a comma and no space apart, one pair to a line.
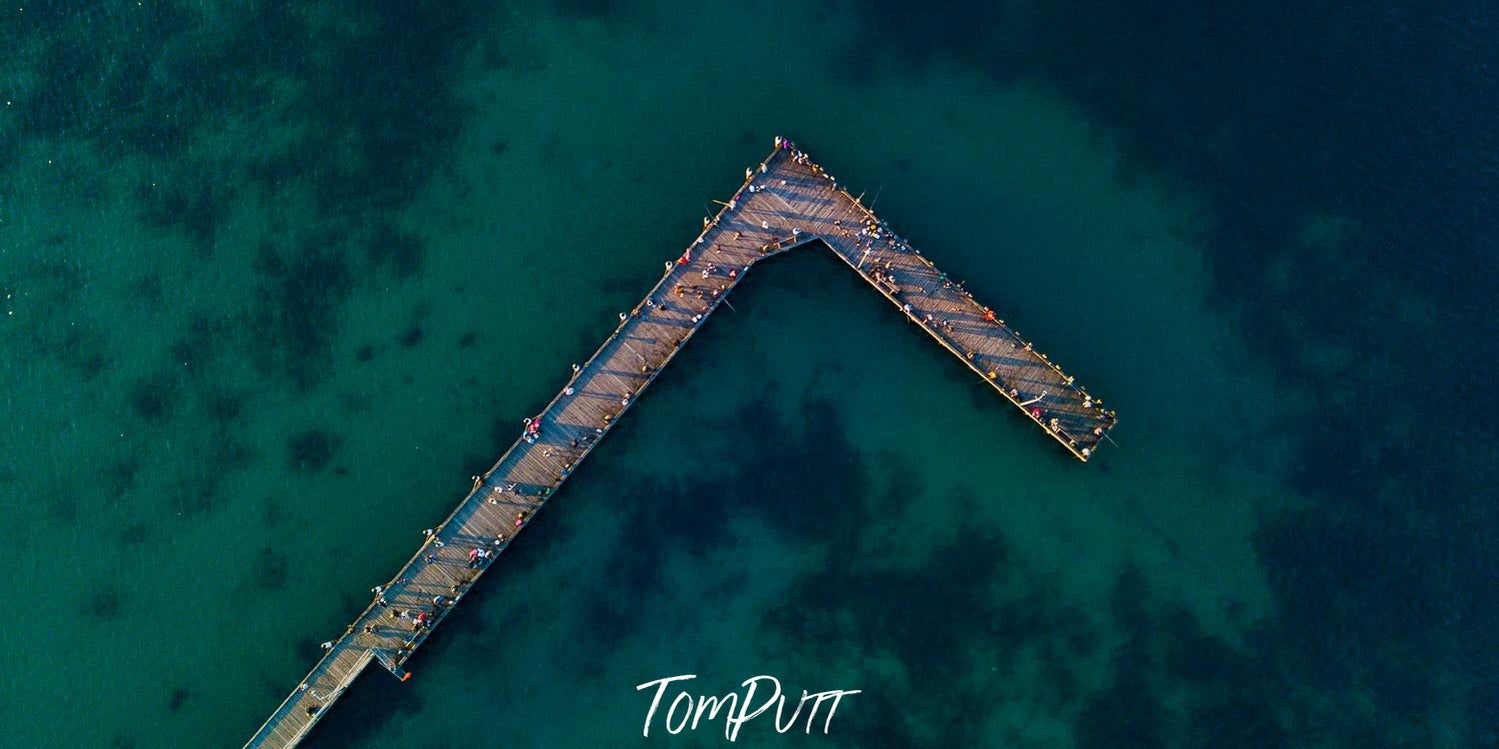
280,279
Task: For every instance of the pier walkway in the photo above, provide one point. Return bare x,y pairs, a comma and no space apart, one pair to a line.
787,201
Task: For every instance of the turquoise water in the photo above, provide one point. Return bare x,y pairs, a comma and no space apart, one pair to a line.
279,280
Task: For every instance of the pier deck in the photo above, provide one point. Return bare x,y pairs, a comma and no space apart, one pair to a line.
786,202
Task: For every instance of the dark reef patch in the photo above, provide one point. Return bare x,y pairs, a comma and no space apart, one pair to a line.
364,353
118,478
934,618
62,510
310,450
200,102
273,513
79,91
225,407
226,454
147,290
82,350
382,92
1218,695
299,310
103,603
195,487
396,249
364,711
198,344
54,104
178,699
783,484
402,119
467,339
271,571
1125,714
55,284
412,336
193,493
1368,120
939,614
154,398
191,198
135,534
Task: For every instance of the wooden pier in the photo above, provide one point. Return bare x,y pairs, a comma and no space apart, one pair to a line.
787,201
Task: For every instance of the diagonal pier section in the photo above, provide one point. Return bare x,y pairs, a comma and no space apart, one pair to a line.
786,202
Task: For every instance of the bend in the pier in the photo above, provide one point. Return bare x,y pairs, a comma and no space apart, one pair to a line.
786,202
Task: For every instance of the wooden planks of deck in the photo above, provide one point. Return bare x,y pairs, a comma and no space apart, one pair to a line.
786,202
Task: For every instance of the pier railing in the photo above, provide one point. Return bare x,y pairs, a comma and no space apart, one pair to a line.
785,202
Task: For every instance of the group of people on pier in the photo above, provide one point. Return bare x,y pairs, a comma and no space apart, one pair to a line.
872,235
689,291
